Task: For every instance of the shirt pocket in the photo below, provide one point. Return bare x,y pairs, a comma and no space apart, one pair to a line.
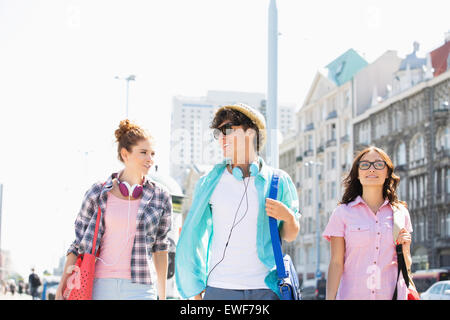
387,230
358,235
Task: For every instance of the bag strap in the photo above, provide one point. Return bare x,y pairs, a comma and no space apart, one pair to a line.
274,234
97,223
401,267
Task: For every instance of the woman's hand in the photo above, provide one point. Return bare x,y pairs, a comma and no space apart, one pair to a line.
59,294
404,237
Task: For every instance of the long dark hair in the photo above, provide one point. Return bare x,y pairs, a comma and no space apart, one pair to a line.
353,187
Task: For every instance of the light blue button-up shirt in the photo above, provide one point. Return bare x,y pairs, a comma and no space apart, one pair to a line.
192,253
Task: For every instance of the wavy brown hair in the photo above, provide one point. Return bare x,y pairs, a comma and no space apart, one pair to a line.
353,187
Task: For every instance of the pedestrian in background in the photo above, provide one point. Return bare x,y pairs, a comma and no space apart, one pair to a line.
34,283
363,261
136,217
21,286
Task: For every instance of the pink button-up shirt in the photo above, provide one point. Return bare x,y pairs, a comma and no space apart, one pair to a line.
370,260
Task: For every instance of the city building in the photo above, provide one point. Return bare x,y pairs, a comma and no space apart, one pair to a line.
412,126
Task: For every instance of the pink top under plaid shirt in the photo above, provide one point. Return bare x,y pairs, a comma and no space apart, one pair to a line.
153,223
370,261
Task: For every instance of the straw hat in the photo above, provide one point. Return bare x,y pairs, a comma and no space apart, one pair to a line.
254,115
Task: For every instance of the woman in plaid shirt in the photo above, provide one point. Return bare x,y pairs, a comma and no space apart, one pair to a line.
133,227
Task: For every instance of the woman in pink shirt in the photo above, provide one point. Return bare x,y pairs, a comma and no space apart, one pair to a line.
363,262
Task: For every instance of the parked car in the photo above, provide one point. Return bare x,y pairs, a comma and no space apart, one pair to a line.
424,279
438,291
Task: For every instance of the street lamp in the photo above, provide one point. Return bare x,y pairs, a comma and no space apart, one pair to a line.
131,77
316,165
272,86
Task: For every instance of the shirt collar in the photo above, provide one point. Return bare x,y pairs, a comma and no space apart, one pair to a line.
359,200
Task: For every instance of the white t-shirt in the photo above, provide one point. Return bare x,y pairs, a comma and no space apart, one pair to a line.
241,267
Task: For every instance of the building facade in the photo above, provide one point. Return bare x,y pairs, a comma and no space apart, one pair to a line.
414,129
323,155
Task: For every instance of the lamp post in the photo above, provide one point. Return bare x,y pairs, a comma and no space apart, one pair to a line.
316,166
272,117
1,254
131,77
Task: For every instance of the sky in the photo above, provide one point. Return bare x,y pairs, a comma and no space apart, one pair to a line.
60,102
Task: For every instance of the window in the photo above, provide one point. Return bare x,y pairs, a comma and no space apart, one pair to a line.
331,160
447,224
443,139
348,127
309,142
447,179
331,190
417,151
396,120
364,133
402,188
347,98
436,289
400,154
331,131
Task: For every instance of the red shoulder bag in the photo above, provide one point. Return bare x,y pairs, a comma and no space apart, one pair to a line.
79,284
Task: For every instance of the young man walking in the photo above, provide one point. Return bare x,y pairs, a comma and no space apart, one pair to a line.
225,249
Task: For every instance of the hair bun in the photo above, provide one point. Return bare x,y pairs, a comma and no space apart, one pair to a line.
124,127
128,135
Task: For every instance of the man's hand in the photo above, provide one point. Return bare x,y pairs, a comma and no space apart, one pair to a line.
278,210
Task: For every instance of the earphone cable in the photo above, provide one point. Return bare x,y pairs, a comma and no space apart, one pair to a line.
232,227
126,241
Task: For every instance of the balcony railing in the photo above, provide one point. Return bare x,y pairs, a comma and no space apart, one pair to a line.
417,163
308,153
332,115
345,138
331,143
309,127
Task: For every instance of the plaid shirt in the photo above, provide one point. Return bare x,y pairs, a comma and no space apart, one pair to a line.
153,222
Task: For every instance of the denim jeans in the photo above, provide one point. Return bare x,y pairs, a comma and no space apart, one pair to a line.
121,289
212,293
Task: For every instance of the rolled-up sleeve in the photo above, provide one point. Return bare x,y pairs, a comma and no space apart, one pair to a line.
162,242
335,226
289,195
82,221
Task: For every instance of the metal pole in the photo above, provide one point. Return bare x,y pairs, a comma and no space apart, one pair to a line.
1,254
272,117
128,83
131,77
316,166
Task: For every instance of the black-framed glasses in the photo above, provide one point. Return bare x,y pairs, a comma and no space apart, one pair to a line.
225,129
365,165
